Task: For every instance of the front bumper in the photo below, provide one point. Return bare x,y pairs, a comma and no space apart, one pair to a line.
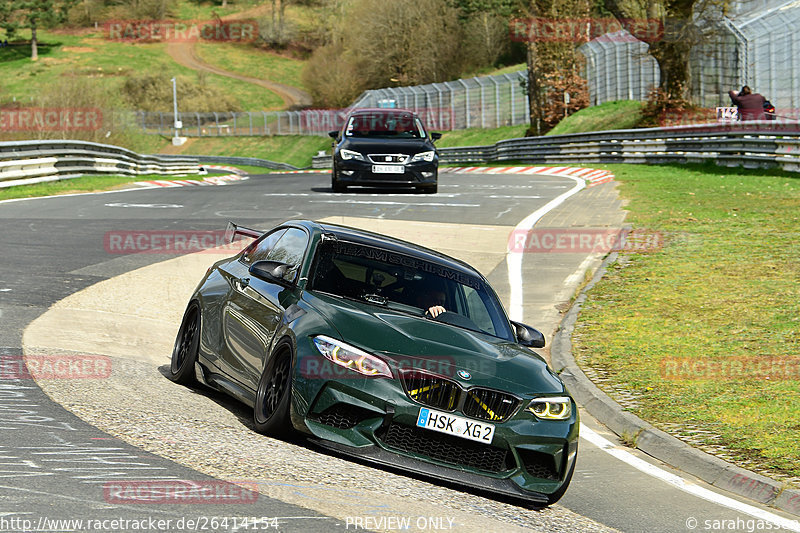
374,420
354,172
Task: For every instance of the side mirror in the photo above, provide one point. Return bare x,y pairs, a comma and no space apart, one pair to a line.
333,134
528,336
270,270
435,135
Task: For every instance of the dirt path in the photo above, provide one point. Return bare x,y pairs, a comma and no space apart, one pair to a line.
185,54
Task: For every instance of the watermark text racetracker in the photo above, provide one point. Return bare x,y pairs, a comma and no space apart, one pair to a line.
182,31
180,492
584,240
50,119
54,367
171,242
582,30
731,368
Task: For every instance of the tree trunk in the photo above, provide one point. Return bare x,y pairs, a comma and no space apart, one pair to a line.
673,65
34,47
534,90
280,21
274,23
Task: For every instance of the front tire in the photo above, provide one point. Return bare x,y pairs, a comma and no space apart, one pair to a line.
187,344
273,397
336,184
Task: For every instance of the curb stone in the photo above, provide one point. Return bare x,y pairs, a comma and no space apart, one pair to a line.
651,440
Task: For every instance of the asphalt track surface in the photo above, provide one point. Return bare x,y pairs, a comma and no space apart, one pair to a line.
52,463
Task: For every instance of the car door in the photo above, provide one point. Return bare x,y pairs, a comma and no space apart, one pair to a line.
256,306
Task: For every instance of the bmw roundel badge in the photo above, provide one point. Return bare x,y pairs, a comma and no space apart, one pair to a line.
463,374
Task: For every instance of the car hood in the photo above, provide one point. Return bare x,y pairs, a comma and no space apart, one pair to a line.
406,341
386,146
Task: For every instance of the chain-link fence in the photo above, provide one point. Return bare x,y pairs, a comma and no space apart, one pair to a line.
754,42
305,122
757,45
481,102
618,67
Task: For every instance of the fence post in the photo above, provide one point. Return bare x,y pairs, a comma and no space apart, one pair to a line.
466,103
440,104
199,130
452,105
496,103
513,113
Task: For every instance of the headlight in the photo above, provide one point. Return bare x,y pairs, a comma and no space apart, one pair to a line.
351,357
349,154
423,156
551,408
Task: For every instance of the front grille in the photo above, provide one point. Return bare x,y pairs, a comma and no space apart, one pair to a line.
388,159
538,464
490,404
342,416
430,390
446,448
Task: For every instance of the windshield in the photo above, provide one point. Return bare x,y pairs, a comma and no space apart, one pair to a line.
385,124
407,284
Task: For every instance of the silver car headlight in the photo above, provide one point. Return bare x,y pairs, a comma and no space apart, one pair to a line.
423,156
349,154
551,407
351,357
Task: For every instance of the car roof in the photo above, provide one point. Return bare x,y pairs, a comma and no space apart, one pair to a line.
369,110
368,238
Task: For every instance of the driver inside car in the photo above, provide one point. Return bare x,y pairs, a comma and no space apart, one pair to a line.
432,300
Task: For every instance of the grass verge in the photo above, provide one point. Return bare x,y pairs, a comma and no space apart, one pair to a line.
705,334
480,137
246,60
618,115
108,64
74,185
296,150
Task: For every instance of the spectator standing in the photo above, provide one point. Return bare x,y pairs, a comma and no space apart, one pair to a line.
750,104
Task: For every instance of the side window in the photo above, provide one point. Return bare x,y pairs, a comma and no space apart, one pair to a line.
290,248
262,248
478,311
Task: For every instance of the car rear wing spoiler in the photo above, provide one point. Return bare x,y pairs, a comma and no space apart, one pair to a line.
232,231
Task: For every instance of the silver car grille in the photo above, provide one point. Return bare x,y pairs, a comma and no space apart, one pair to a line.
388,159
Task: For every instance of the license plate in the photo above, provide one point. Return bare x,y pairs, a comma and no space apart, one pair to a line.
455,425
388,169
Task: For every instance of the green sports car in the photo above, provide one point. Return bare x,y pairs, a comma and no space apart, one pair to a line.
381,349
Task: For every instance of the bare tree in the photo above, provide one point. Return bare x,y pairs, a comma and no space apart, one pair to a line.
401,42
547,58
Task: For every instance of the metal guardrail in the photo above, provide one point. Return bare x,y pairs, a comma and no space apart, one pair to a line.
40,159
235,160
757,144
